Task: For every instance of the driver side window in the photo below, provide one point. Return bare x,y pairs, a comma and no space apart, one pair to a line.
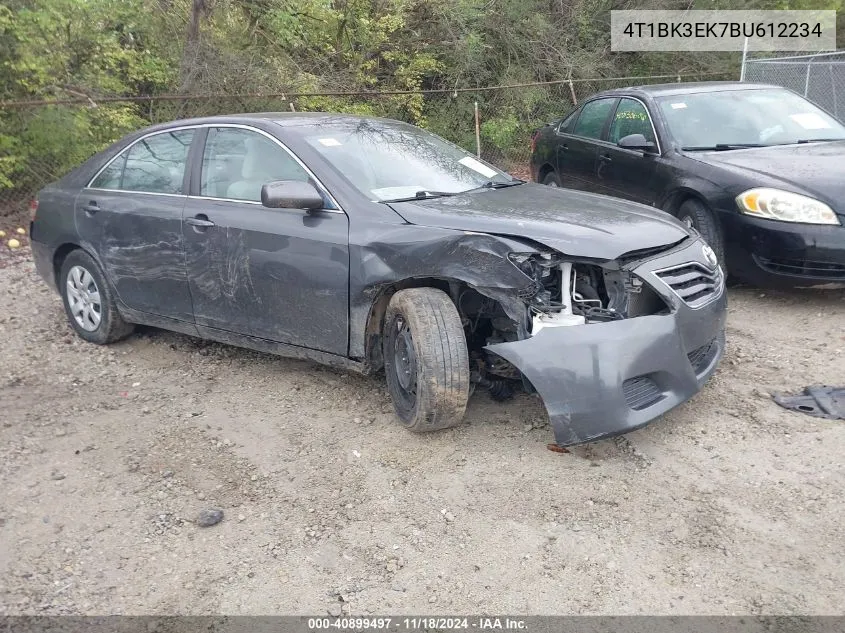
631,117
236,163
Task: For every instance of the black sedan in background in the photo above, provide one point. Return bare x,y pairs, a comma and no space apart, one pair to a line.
757,170
367,243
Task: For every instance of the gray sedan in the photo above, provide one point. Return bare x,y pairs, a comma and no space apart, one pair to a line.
371,244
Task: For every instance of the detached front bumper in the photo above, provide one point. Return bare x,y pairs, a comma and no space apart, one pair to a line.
604,379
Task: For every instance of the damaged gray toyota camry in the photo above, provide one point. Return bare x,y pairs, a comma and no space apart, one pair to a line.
371,244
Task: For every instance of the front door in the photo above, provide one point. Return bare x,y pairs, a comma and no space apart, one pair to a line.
275,274
132,212
628,173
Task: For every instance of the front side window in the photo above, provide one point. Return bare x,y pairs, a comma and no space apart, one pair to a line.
156,164
631,117
593,116
236,163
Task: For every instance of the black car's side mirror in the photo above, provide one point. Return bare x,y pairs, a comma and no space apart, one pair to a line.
636,141
291,194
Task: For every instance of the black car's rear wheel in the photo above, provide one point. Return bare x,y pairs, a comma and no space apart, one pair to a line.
89,302
551,180
425,359
694,214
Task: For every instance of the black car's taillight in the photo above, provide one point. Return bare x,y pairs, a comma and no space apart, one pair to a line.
33,208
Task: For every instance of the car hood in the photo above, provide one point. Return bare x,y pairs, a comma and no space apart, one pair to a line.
572,222
811,168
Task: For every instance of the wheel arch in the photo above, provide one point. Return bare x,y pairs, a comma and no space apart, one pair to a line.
66,248
378,309
61,254
544,170
451,286
673,201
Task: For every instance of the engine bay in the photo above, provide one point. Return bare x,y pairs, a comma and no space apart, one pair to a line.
561,294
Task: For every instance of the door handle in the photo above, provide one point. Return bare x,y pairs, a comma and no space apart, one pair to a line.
199,221
605,158
564,146
92,207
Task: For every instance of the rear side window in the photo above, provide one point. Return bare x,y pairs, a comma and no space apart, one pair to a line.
593,116
110,177
156,164
565,126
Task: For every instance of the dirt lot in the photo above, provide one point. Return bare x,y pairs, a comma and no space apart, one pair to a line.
727,505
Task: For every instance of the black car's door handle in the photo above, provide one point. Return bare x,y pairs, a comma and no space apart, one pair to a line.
564,146
92,207
200,221
605,158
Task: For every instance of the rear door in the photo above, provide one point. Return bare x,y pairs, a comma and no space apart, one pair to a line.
275,274
577,149
628,173
132,214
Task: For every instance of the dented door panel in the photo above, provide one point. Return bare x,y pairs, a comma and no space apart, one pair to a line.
276,274
138,237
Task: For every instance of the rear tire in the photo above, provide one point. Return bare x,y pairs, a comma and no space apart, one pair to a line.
551,180
89,302
695,214
426,361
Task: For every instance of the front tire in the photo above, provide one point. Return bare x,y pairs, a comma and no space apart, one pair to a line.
425,359
695,214
551,180
89,301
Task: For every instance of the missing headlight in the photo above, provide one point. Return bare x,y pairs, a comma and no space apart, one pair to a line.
565,293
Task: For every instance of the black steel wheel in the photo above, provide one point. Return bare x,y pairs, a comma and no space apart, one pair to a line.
426,362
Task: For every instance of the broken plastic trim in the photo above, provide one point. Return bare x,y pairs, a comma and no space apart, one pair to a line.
819,401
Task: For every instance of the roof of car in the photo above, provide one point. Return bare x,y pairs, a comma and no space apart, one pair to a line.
284,119
660,90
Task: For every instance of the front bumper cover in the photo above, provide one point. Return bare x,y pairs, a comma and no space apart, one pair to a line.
783,254
605,379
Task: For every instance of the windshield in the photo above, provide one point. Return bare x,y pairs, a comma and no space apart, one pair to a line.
391,160
746,118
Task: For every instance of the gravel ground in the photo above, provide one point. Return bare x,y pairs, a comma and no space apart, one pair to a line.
726,505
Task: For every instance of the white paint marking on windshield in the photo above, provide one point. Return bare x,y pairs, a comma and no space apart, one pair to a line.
402,191
679,106
329,142
810,121
481,168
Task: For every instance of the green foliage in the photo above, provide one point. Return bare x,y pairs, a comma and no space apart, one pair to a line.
501,132
90,49
59,49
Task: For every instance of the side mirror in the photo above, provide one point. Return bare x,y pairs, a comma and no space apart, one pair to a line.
291,194
636,141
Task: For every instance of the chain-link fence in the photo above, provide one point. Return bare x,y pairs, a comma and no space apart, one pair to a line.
48,139
820,77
